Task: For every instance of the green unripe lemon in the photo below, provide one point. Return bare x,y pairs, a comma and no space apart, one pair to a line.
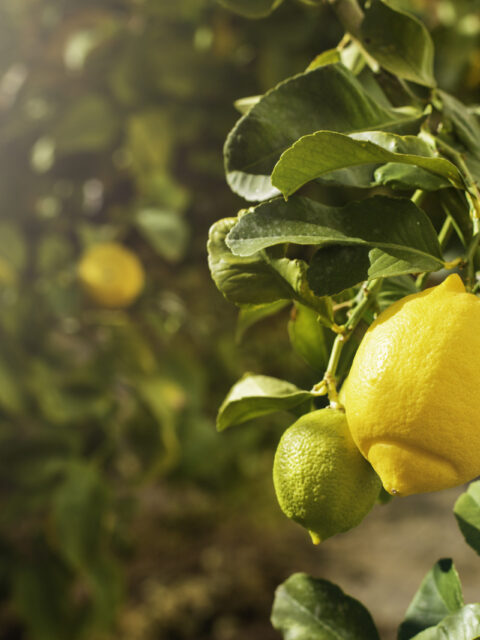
321,479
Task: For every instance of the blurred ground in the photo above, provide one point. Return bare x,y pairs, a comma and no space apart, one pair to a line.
216,578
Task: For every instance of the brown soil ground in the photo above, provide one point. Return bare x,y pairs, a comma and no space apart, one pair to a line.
209,572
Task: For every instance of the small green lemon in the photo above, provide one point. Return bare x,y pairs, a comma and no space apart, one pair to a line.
111,275
321,480
412,396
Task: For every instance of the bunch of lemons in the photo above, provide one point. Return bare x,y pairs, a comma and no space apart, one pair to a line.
411,419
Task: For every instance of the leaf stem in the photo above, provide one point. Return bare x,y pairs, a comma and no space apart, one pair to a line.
329,383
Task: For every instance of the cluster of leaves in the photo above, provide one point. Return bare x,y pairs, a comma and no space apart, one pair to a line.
111,117
362,170
364,127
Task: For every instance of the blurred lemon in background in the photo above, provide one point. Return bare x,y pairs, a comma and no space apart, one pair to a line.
111,275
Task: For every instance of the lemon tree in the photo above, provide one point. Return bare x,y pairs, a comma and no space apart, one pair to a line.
361,178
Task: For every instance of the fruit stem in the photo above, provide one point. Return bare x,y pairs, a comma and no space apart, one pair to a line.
329,383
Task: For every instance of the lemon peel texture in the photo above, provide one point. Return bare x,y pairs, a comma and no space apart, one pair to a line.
412,397
111,275
321,479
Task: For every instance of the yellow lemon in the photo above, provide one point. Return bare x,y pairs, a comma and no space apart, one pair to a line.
321,480
412,397
111,274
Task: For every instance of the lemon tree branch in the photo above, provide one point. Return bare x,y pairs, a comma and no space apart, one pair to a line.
328,385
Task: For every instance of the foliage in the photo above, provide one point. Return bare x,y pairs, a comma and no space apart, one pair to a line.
112,115
362,174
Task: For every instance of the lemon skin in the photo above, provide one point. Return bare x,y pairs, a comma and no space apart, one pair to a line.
111,275
412,397
321,480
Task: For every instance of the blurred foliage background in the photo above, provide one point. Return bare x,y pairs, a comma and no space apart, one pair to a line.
118,499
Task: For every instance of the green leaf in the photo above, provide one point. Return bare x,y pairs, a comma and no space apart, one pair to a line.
242,280
394,225
89,125
462,625
307,608
251,314
252,8
78,512
166,231
310,339
39,589
12,398
254,396
464,123
325,151
331,56
439,595
258,278
467,513
403,176
399,42
335,268
389,265
329,97
106,584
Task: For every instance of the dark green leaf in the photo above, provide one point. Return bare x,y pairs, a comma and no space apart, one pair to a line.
393,263
465,125
252,8
404,176
242,280
325,151
12,398
439,595
254,396
336,268
39,590
78,512
251,314
258,278
106,584
467,513
399,42
456,208
462,625
307,608
329,97
310,339
394,225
